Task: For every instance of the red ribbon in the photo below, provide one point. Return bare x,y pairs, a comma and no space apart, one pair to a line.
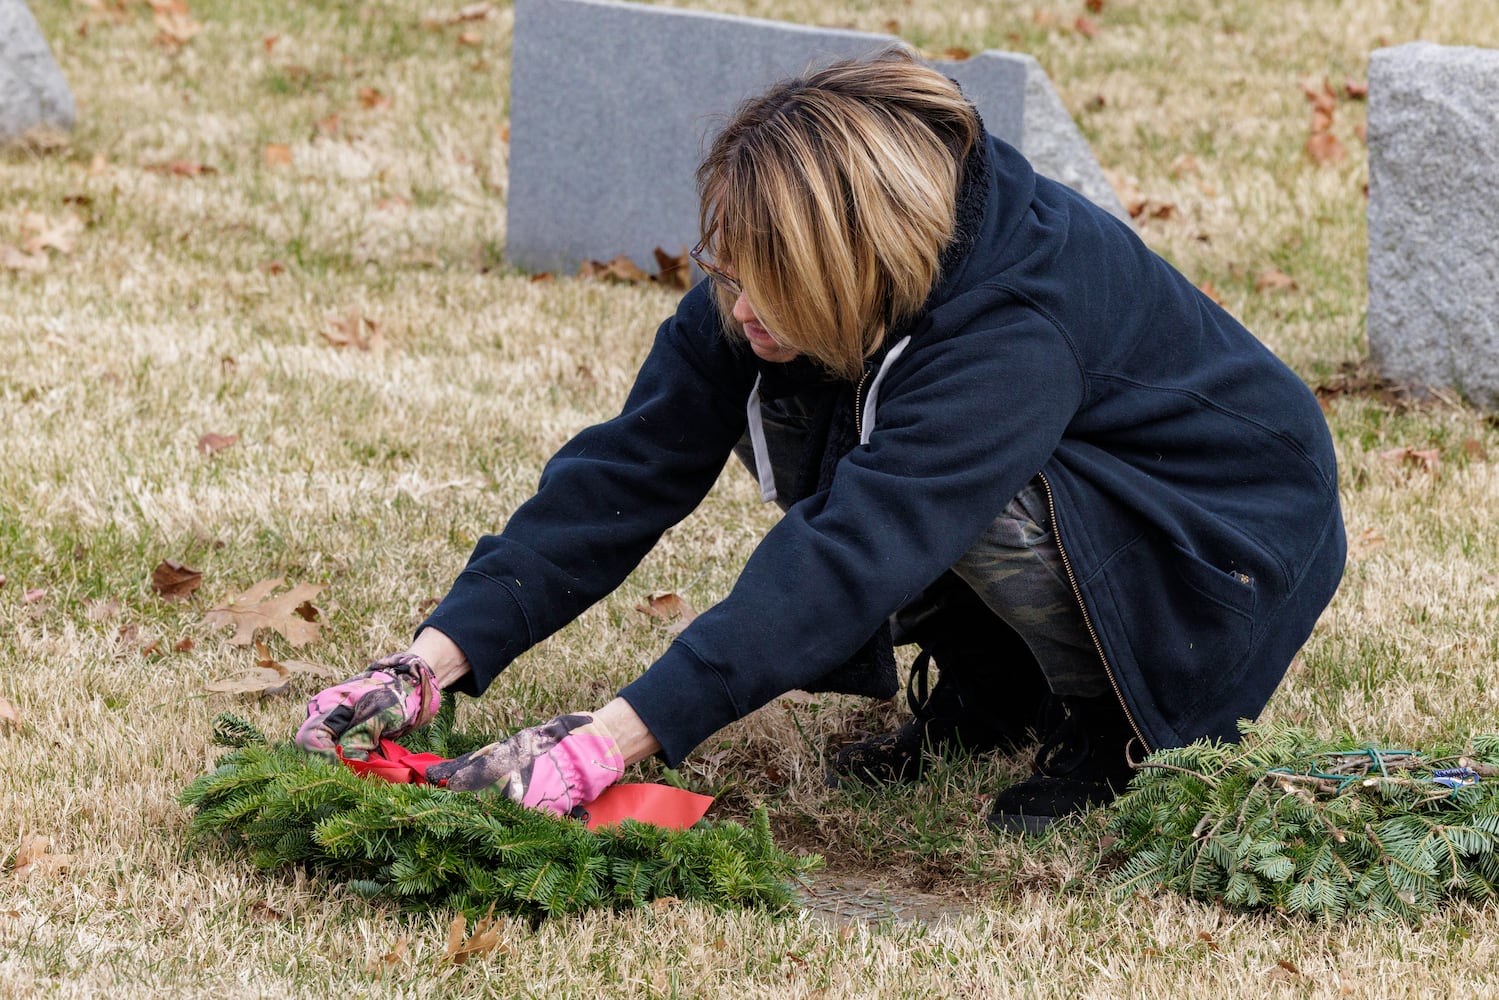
660,805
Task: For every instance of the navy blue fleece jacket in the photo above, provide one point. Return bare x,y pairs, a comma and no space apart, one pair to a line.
1191,473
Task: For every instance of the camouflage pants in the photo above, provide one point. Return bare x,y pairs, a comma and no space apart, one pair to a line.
1015,566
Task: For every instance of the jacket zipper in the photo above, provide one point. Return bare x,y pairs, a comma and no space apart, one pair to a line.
1056,531
859,400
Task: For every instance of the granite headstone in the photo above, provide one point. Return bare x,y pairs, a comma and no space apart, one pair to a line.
612,105
1434,218
33,93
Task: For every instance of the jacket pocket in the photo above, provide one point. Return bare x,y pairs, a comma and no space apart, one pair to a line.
1190,623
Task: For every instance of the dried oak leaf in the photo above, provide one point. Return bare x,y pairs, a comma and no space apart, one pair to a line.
1274,280
291,614
485,939
669,610
619,268
1427,459
175,26
174,581
48,233
397,955
354,330
212,444
370,99
1325,149
35,857
264,681
471,12
182,168
673,271
12,259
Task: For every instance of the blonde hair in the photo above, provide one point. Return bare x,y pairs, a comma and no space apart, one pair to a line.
831,196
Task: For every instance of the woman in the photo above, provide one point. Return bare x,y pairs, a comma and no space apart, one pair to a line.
999,426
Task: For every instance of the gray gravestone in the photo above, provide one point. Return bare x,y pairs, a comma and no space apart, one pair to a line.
1434,218
611,106
33,92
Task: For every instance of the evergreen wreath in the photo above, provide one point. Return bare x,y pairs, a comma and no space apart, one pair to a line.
427,848
1323,828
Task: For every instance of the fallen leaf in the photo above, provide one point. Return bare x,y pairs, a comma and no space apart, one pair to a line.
1274,280
264,681
956,54
267,662
1286,972
174,581
255,609
1325,149
269,42
370,99
1427,459
1085,26
673,271
471,12
620,268
1211,291
1320,95
276,154
175,27
12,259
34,595
10,716
60,234
1094,6
355,330
1207,939
669,610
35,857
4,579
212,444
484,940
100,611
663,903
264,912
1474,449
471,39
184,645
1043,18
395,956
1357,90
182,168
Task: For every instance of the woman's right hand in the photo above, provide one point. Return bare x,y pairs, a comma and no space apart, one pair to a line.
395,695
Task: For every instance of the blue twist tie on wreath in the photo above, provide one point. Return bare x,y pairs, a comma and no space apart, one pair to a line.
1455,777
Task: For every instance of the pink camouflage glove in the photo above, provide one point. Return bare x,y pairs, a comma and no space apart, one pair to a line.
392,697
557,766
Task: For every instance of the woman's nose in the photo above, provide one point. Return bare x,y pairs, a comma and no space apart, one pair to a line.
743,311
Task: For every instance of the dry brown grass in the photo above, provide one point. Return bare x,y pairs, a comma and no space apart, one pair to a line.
191,305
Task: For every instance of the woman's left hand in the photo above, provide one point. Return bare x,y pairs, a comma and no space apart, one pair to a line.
556,766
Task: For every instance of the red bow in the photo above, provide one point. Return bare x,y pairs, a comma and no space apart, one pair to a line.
660,805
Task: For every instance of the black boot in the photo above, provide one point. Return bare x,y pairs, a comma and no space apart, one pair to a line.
988,694
1083,762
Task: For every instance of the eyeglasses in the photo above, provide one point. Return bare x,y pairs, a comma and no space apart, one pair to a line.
699,254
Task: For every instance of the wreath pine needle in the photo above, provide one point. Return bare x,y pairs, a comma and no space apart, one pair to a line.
1322,828
427,848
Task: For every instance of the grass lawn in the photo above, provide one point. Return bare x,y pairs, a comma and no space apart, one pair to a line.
253,183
